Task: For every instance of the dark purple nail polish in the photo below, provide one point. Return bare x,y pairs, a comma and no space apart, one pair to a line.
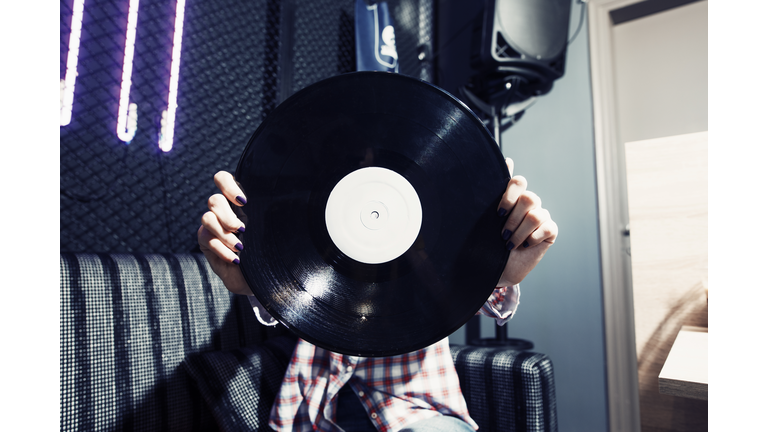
510,246
239,246
506,234
525,244
241,200
236,261
502,212
241,229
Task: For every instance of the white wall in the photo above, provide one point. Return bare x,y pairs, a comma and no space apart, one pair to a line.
661,73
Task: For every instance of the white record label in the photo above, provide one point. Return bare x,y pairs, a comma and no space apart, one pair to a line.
373,215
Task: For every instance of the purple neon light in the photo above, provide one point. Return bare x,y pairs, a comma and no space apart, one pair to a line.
127,112
168,122
68,83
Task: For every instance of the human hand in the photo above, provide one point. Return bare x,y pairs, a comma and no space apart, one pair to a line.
216,236
529,230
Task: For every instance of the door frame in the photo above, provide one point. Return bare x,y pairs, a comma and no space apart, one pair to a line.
616,271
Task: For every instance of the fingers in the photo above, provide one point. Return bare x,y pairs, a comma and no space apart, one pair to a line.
537,227
523,219
527,223
227,220
515,188
224,232
209,243
228,186
219,225
227,269
217,235
545,233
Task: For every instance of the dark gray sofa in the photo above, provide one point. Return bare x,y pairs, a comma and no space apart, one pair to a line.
155,342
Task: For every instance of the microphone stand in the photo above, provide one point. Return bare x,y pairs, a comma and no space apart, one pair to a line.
496,114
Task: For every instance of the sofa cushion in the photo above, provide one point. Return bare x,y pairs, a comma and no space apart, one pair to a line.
507,390
239,386
127,323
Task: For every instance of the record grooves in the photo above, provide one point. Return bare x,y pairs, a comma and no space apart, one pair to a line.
371,214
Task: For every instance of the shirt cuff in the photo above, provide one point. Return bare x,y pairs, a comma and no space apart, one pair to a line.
502,304
261,314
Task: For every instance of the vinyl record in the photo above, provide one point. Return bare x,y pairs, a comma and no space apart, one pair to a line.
371,214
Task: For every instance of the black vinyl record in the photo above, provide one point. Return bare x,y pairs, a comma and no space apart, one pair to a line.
371,214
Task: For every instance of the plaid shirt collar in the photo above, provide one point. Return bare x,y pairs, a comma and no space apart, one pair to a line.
425,382
395,391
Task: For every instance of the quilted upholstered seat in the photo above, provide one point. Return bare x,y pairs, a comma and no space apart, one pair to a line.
156,343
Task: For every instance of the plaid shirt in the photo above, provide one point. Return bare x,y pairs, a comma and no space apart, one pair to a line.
395,391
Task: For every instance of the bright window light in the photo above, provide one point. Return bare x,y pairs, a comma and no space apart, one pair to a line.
127,115
68,83
169,115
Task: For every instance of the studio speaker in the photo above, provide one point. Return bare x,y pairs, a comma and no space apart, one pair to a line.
527,38
527,34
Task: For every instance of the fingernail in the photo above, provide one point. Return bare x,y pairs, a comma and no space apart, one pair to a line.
241,229
241,200
239,247
525,244
510,246
506,234
236,261
502,212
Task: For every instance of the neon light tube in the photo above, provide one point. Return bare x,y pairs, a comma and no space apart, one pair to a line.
68,83
168,122
127,112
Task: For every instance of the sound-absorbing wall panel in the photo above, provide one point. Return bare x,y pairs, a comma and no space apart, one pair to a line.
238,60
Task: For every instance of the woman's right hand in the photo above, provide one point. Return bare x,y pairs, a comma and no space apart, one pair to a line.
216,236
